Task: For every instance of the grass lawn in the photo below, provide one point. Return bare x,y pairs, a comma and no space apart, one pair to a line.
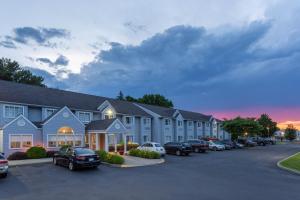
292,162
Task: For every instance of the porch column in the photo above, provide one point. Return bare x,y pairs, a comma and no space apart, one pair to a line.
125,143
116,141
89,140
97,141
106,143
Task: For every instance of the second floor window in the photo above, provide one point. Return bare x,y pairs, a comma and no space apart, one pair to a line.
207,124
84,117
179,123
146,121
13,111
128,120
190,123
199,124
167,122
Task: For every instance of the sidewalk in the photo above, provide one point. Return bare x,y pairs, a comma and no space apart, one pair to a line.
13,163
130,161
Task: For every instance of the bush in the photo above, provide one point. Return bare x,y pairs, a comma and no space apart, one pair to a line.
110,158
50,154
120,147
17,156
36,152
144,154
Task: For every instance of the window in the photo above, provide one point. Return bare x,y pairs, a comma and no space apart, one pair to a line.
168,139
146,138
199,137
85,117
146,121
207,124
199,124
190,123
179,123
190,137
20,141
167,122
128,120
13,111
49,112
180,138
61,140
130,138
109,114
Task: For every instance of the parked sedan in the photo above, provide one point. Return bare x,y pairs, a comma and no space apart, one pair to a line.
215,146
75,158
259,140
237,145
153,146
3,166
228,144
199,145
247,142
178,148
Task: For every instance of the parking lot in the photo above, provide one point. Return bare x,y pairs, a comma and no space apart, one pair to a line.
235,174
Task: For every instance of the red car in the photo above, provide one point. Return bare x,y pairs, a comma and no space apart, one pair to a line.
3,166
199,145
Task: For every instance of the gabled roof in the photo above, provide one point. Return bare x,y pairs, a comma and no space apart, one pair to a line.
34,95
102,124
188,115
162,111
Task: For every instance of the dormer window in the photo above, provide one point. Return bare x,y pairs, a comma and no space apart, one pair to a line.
109,114
49,112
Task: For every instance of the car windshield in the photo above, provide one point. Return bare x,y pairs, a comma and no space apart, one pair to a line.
185,144
217,142
1,157
84,151
157,145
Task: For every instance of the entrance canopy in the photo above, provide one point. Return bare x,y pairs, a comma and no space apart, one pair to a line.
108,126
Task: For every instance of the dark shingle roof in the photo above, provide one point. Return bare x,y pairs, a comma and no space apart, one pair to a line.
194,116
99,124
162,111
35,95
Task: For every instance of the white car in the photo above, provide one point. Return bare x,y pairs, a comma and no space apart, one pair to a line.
215,146
153,146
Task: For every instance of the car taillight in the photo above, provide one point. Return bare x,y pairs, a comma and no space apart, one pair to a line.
3,162
80,158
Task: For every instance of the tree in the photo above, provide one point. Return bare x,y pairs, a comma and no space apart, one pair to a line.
11,71
131,99
156,99
242,127
120,96
269,127
290,132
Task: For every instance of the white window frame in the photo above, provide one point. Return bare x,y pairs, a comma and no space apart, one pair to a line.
167,136
84,113
179,123
181,137
207,124
199,124
131,120
147,138
190,123
167,122
21,147
147,121
130,135
46,112
15,106
73,135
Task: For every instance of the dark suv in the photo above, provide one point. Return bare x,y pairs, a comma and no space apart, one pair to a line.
178,148
77,157
198,145
259,140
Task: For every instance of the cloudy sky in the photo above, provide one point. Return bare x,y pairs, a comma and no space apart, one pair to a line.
225,57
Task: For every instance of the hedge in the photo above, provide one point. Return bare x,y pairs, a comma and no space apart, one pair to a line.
120,147
110,158
36,152
17,156
144,154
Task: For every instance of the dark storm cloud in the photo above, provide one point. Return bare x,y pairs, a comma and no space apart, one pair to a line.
60,61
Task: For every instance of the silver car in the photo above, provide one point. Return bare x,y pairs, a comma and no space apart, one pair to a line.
3,166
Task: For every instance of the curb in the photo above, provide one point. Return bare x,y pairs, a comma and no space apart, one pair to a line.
132,166
286,168
34,162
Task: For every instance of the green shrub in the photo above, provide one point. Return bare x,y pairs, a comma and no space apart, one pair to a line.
144,154
36,152
17,156
110,158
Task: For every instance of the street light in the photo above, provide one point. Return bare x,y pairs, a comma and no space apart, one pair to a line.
268,128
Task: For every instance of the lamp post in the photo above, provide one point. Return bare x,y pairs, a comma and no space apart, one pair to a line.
268,128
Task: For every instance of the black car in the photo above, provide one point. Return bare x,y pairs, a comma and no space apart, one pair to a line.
75,158
259,140
199,145
228,144
3,166
237,145
178,148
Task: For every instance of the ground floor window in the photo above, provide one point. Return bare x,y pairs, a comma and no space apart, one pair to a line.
199,137
168,138
190,137
129,138
145,138
20,141
180,138
60,140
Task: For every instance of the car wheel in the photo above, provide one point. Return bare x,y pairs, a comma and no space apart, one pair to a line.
196,150
71,166
178,153
54,161
215,148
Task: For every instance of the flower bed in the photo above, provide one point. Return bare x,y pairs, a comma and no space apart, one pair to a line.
144,154
110,158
